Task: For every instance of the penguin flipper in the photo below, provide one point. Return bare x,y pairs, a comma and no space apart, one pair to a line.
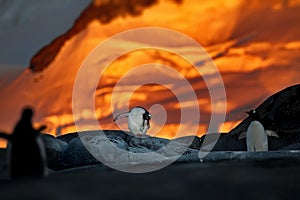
272,133
5,136
121,116
41,128
242,135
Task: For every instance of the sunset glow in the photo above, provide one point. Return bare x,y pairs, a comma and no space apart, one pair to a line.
254,44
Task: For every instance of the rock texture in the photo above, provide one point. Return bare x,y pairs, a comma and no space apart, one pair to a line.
114,147
54,149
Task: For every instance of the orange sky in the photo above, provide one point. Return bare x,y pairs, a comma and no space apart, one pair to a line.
254,44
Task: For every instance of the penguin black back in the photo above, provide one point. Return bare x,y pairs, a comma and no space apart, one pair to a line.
27,152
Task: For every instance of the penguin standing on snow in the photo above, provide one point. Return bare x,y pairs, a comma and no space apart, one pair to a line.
26,151
138,120
256,135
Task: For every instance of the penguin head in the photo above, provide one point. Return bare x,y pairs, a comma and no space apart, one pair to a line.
146,115
27,114
253,114
141,111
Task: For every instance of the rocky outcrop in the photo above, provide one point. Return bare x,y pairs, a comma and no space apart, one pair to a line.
54,149
279,113
87,148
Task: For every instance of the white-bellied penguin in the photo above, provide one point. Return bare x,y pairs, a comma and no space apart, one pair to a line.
138,120
256,135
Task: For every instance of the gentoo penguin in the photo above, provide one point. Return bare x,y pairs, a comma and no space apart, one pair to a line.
138,120
256,135
26,151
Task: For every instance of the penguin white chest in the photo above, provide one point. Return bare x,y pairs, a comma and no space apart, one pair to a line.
256,137
138,120
136,124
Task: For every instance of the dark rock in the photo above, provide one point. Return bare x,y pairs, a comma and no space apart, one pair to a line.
283,141
54,149
88,148
70,136
292,147
151,143
118,147
76,155
227,142
260,158
126,136
254,156
118,141
215,142
194,141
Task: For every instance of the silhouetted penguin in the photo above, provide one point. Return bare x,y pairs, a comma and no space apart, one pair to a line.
26,151
256,135
138,120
